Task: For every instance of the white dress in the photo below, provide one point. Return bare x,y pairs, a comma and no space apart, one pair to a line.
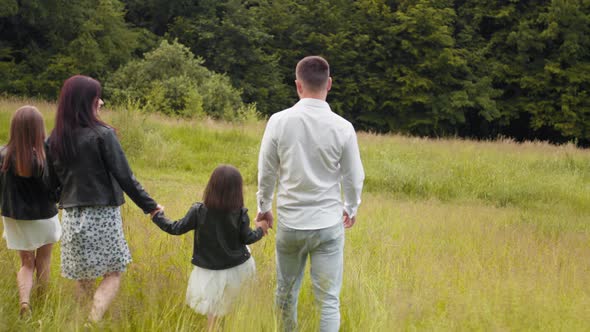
30,234
212,292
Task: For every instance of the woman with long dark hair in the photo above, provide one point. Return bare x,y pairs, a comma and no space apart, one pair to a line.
90,172
29,213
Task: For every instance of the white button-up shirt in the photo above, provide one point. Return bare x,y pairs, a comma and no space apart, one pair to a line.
313,153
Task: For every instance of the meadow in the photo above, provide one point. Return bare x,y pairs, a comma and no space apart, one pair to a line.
451,235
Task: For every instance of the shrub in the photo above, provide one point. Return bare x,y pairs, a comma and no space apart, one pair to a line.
171,80
176,95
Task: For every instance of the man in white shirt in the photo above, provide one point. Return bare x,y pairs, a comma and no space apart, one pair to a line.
312,155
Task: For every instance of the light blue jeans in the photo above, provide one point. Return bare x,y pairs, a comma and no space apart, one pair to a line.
325,247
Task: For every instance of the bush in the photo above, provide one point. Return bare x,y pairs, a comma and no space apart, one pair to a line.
176,95
171,80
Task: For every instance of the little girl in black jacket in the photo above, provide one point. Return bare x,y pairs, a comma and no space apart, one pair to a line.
221,259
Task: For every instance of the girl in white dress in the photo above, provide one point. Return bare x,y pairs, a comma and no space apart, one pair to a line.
221,259
29,210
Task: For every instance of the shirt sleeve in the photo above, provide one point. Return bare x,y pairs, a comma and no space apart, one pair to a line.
50,179
181,226
353,174
268,165
118,166
2,174
247,235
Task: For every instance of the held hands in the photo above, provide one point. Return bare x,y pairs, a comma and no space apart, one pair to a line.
158,209
348,221
264,221
266,216
262,224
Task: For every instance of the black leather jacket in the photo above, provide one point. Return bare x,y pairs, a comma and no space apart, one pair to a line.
220,237
98,175
25,198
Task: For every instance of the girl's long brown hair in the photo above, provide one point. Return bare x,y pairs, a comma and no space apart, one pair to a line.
25,149
224,190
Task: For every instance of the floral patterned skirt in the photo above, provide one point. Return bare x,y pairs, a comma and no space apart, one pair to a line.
93,243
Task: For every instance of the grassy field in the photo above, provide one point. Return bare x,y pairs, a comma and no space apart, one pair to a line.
451,235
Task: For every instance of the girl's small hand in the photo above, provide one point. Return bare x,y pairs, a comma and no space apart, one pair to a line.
158,209
265,216
262,224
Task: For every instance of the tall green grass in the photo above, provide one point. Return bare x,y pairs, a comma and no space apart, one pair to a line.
451,235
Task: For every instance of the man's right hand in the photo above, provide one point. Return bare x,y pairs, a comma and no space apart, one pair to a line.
348,221
266,216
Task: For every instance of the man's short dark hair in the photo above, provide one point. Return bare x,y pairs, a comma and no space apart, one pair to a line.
314,72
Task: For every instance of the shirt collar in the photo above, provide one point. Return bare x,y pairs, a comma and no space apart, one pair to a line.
313,103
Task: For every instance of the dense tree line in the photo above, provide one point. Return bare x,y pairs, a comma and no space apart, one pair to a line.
473,68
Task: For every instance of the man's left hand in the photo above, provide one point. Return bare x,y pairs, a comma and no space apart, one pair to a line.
266,216
348,221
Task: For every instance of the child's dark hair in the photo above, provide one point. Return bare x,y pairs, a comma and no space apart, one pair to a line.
224,190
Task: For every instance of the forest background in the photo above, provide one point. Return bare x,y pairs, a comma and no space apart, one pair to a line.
453,234
477,69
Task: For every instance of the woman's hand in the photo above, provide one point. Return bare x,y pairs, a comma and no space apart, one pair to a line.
158,209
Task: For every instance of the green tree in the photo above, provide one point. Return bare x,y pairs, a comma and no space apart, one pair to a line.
44,42
228,35
535,53
230,38
557,81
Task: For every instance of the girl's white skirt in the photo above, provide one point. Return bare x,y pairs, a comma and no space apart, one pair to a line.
212,292
30,235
